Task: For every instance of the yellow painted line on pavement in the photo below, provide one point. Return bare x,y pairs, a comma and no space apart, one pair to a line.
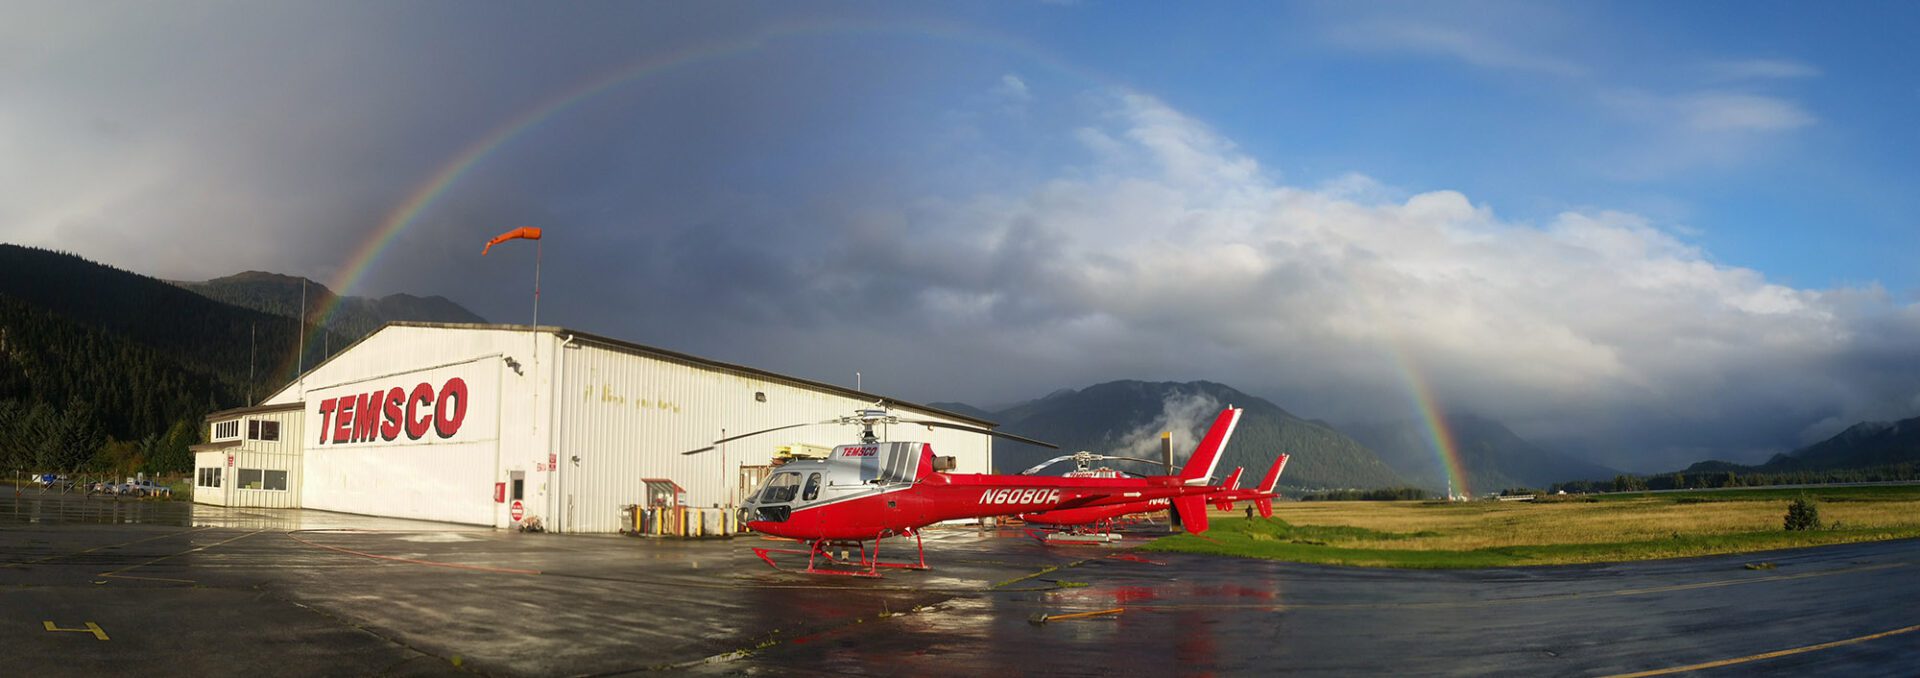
92,628
1767,655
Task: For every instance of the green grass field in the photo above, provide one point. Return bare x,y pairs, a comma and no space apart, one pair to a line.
1605,528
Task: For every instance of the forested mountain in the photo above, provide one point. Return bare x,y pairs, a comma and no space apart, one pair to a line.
200,334
1864,445
356,317
1126,417
1865,452
1494,458
90,354
963,408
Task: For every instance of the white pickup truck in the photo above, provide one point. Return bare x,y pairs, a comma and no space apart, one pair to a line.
145,488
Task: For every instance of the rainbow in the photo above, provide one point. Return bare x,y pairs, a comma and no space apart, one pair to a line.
1435,421
429,192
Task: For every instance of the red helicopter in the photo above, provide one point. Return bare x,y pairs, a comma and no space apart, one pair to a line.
872,490
1102,518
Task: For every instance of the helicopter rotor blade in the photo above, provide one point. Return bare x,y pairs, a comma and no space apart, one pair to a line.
976,429
1143,461
729,439
1044,464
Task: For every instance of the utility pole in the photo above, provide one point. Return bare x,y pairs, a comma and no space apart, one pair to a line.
300,330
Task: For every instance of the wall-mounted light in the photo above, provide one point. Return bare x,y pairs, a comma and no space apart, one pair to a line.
759,396
512,364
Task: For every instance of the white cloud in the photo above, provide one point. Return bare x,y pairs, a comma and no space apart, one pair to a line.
1751,69
1013,89
1433,39
1691,130
1184,415
1724,112
1176,254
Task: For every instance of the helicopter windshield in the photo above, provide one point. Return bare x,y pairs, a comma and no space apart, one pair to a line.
780,488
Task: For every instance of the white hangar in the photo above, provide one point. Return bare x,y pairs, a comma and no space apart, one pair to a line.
499,424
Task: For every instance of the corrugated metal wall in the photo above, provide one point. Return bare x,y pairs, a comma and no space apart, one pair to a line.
627,416
261,455
626,413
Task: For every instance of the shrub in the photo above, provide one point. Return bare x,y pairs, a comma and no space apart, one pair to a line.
1802,515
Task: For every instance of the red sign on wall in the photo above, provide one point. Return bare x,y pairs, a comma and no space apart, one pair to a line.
385,415
499,493
229,461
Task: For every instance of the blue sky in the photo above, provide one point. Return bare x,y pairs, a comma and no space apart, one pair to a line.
1531,109
1649,233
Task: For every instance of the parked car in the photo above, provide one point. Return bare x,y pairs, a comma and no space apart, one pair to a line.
145,488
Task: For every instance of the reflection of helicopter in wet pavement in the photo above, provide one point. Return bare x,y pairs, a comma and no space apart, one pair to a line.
1095,524
872,490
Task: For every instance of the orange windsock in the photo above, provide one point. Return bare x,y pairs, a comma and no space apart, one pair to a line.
527,232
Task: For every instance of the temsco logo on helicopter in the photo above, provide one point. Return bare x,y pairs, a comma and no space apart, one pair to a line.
1028,496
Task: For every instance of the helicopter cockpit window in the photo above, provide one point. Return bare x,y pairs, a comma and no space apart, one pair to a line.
780,488
813,488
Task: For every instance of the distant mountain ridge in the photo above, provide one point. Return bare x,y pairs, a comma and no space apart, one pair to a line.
1493,456
1866,445
1113,416
111,371
356,316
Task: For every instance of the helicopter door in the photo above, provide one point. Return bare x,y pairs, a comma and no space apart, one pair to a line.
812,491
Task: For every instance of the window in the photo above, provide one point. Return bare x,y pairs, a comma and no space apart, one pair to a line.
226,430
208,477
780,488
276,480
263,430
813,487
519,488
249,479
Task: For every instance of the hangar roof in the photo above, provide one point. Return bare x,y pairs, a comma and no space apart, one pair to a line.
649,351
256,409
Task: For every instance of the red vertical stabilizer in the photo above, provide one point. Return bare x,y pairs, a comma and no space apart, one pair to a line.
1206,457
1193,512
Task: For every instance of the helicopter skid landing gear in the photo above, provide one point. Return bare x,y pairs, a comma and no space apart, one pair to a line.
1099,532
821,559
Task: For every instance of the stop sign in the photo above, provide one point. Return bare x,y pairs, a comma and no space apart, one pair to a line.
518,511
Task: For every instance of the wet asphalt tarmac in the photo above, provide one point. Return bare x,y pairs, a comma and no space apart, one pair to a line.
180,589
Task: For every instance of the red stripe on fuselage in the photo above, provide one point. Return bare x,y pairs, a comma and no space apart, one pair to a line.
940,497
